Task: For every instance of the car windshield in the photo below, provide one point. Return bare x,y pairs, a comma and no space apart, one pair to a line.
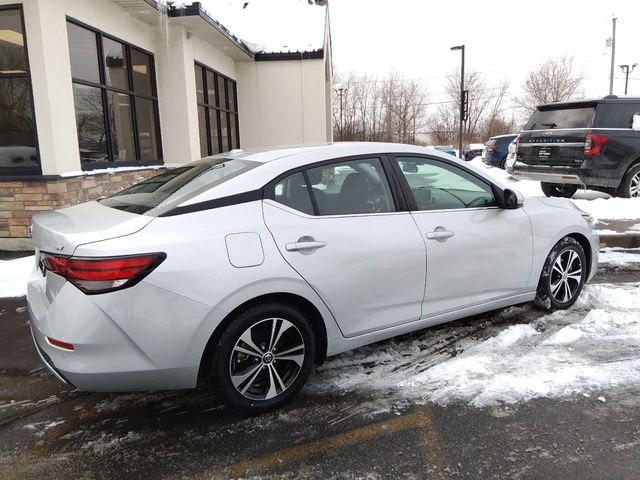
555,118
177,185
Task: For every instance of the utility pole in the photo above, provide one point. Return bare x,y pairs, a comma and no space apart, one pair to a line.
627,70
341,91
613,55
463,99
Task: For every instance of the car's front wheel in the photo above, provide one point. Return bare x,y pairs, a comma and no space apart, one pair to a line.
563,276
558,190
263,358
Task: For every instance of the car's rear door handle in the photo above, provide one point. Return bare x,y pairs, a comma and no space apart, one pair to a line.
440,235
304,246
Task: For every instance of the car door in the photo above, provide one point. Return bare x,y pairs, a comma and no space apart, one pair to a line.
476,251
338,225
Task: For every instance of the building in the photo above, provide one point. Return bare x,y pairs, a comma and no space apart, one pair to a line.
134,85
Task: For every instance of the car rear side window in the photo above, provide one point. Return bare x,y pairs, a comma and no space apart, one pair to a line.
294,193
555,118
351,187
177,185
617,115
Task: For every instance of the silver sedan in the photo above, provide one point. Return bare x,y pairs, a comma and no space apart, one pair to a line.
247,268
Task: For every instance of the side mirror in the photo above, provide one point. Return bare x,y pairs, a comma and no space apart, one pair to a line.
635,126
512,199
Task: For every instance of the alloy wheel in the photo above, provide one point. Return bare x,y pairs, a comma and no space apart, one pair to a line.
566,276
634,186
266,359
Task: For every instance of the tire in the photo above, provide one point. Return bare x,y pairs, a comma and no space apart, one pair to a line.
503,163
563,276
558,190
630,185
257,367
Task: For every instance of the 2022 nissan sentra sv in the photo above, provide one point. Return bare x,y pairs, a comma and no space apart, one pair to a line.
247,268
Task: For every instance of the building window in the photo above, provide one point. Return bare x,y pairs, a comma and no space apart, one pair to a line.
217,111
115,99
18,143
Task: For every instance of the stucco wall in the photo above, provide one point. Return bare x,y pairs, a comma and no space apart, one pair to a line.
282,102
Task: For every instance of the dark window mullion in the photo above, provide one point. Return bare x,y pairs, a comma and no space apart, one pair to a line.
219,124
207,122
132,100
107,122
156,113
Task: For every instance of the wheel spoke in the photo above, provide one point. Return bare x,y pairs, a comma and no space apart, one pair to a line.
558,268
277,377
238,348
284,326
246,338
238,380
577,277
289,350
555,288
299,359
567,292
272,392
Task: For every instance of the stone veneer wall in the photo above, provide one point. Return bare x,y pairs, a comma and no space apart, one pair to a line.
19,200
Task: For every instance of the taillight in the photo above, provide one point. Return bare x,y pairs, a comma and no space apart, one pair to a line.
594,144
102,274
517,145
492,148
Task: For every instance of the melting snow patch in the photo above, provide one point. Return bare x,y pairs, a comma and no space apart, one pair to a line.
594,346
14,275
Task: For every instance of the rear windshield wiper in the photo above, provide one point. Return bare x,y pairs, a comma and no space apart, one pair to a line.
550,125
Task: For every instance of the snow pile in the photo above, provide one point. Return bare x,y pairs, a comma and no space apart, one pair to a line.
14,275
610,208
619,257
592,347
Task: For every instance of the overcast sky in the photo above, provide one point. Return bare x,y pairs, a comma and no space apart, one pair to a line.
503,39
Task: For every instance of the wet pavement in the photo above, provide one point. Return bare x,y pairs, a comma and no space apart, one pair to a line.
48,429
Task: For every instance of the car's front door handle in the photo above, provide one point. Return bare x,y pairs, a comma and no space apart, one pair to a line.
304,246
440,235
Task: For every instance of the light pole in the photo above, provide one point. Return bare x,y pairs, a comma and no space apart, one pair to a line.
627,70
341,91
462,99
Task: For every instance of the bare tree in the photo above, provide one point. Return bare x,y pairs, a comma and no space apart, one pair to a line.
391,109
486,106
554,80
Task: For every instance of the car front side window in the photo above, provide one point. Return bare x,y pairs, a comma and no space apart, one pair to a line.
438,185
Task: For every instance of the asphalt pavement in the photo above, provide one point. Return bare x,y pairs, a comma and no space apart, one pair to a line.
49,430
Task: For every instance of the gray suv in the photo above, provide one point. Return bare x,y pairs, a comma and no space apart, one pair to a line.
588,143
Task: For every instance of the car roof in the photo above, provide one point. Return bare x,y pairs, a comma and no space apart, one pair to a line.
505,136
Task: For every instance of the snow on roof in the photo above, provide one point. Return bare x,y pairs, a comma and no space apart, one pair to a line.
272,26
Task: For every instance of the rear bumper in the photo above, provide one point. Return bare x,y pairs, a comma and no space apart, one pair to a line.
561,175
109,354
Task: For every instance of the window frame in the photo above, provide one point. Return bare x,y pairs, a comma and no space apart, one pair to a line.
36,170
216,109
398,200
104,93
408,193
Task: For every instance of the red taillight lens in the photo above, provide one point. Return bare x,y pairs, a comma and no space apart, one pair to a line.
517,144
594,144
492,148
60,344
103,274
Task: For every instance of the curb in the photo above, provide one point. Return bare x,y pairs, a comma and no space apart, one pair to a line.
622,240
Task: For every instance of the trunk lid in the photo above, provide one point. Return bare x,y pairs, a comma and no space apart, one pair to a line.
555,135
61,231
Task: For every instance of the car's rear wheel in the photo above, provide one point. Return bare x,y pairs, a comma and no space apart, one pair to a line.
630,186
263,358
558,190
563,276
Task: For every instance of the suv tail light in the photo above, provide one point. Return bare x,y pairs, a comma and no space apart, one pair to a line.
102,274
594,144
517,145
492,148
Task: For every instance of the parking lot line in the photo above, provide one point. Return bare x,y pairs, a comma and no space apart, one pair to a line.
416,420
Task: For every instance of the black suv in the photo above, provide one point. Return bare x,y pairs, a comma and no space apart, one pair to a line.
588,143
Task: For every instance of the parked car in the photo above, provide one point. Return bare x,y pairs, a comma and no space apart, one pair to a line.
246,268
447,149
496,150
473,150
589,143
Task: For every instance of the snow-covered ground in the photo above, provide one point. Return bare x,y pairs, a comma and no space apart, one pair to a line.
14,275
599,205
590,349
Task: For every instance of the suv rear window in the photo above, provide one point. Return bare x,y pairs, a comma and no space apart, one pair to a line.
617,115
177,185
546,118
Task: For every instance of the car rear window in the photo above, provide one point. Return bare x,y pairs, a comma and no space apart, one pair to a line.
617,115
555,118
177,185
